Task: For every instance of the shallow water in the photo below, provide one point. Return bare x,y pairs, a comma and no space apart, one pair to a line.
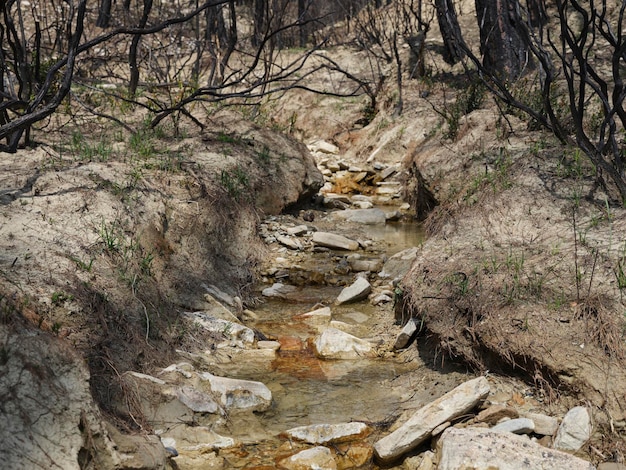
307,390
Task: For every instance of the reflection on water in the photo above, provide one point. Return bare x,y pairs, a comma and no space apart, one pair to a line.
398,235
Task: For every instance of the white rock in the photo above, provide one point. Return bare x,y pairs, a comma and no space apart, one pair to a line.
404,338
381,299
574,431
195,438
298,230
358,290
361,216
544,424
317,458
363,204
196,400
419,427
332,240
479,448
279,290
516,426
323,147
320,316
327,433
237,334
336,344
399,264
239,394
289,242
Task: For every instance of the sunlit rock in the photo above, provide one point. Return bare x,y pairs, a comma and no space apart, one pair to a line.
197,400
361,216
235,333
239,394
515,426
544,424
329,433
332,240
419,427
480,448
358,290
399,264
320,316
188,440
291,243
336,344
318,458
279,290
406,335
574,431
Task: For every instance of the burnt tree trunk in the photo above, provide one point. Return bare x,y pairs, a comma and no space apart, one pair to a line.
104,14
502,44
260,21
450,31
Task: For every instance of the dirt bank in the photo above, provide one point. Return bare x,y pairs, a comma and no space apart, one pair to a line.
522,269
104,244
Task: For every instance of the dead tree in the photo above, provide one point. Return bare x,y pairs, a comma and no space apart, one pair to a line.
450,31
502,45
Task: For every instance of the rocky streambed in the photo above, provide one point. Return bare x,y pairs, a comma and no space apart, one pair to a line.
322,373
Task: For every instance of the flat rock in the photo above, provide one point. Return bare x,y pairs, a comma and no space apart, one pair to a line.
317,458
544,424
358,290
279,290
361,216
323,147
197,400
239,394
235,333
516,426
574,431
387,172
329,433
336,344
320,316
419,427
363,204
334,241
382,299
195,439
484,449
399,264
298,230
405,336
289,242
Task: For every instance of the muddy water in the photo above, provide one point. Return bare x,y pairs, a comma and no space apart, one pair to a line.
307,390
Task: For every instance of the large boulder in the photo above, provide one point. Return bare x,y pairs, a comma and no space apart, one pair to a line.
48,417
336,344
483,449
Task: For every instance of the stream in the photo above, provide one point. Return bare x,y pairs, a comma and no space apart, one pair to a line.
307,390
